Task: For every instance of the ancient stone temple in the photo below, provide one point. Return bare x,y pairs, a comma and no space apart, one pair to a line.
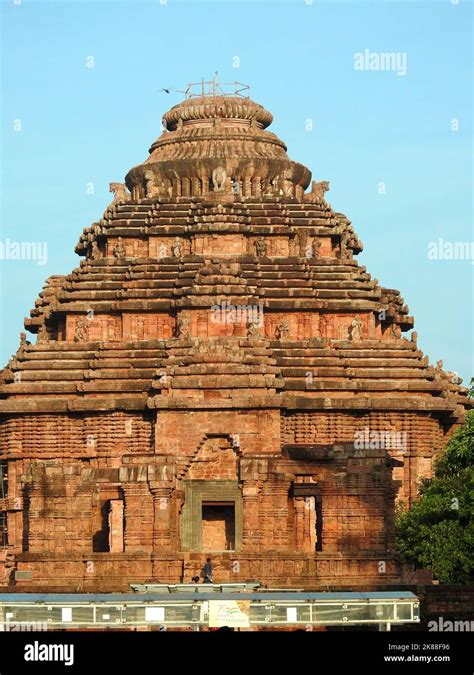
219,377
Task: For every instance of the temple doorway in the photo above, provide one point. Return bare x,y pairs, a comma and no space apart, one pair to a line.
218,526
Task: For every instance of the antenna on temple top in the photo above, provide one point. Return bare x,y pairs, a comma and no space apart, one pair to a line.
215,88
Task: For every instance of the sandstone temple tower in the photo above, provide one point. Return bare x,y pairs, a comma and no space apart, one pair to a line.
218,377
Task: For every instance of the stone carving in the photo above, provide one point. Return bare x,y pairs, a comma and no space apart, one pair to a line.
23,344
119,249
293,246
284,185
316,247
322,326
152,188
183,326
253,330
282,330
121,194
395,331
81,330
301,244
43,335
176,249
219,176
95,251
355,329
454,377
318,190
345,250
260,247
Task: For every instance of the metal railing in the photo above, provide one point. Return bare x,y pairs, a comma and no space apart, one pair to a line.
129,611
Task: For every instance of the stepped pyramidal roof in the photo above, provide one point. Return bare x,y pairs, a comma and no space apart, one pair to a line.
217,215
219,346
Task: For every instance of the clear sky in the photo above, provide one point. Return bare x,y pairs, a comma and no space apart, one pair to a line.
69,129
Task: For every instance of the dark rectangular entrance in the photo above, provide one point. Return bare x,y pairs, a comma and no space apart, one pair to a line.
218,526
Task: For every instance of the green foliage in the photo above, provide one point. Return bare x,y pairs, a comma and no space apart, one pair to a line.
471,388
437,532
459,452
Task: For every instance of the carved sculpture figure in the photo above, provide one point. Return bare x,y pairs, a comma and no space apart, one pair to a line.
177,249
183,325
301,245
316,247
121,194
395,330
253,330
260,247
152,189
317,192
284,185
219,176
43,334
81,331
322,326
355,329
282,330
95,250
119,249
345,250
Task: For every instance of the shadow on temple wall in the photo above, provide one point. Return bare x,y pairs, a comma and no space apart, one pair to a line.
100,540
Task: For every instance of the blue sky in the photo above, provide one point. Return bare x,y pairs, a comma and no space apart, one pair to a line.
83,126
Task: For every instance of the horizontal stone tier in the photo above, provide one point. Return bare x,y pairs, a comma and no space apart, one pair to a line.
53,572
265,216
98,285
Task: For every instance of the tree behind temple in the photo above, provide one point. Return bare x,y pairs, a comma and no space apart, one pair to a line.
437,532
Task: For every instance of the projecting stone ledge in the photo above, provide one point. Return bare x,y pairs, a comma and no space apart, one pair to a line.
366,403
232,400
